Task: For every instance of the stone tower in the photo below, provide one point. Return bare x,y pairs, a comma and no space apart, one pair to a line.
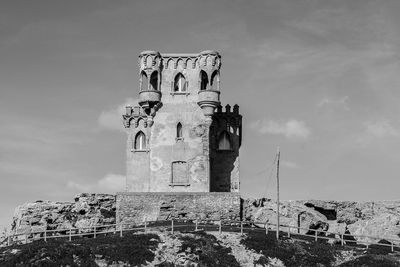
180,139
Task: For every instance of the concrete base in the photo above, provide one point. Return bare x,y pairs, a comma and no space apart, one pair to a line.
135,207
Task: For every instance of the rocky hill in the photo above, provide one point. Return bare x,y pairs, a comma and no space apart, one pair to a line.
355,218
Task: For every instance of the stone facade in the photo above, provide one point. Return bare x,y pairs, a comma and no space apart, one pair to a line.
135,207
179,137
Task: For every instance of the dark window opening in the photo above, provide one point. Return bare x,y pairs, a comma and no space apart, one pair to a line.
224,141
140,141
154,80
204,80
145,82
179,83
179,131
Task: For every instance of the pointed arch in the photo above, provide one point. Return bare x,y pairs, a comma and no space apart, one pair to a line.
215,80
144,81
149,61
189,63
179,131
224,141
203,80
140,141
179,83
154,80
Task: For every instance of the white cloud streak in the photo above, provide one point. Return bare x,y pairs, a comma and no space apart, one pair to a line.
291,129
378,129
111,183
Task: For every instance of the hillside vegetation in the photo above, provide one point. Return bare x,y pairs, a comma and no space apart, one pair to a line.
161,248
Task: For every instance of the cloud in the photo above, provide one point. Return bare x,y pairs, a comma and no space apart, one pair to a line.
112,119
111,183
378,129
327,101
289,164
290,129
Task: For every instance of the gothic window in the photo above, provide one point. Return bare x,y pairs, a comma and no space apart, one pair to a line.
140,141
179,131
154,80
224,141
144,82
204,80
215,81
179,83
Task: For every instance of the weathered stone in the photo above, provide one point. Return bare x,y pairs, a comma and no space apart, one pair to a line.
136,207
57,215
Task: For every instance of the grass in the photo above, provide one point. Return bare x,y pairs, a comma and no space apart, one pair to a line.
134,249
290,252
209,249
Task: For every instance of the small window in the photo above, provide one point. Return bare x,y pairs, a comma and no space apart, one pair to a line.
204,80
154,80
224,141
179,83
140,141
144,82
179,131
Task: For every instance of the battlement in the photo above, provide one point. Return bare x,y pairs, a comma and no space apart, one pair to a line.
228,110
133,113
153,60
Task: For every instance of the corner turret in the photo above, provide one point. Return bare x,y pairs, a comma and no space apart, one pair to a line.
209,65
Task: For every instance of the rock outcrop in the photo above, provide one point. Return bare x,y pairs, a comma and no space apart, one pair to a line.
87,210
380,219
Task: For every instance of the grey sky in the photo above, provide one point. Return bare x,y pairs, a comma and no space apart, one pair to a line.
318,78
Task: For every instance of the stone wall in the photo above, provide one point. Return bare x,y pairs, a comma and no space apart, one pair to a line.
136,207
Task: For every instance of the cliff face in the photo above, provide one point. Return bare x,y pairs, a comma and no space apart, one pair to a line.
85,211
356,218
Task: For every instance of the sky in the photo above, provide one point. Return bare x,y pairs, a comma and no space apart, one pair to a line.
318,78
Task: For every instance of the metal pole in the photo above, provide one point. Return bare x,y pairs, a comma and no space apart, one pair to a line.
316,235
70,233
288,234
45,236
196,225
266,228
94,231
220,227
26,239
392,246
120,230
172,226
277,193
341,240
8,240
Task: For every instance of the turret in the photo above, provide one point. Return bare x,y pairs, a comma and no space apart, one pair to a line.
150,63
209,65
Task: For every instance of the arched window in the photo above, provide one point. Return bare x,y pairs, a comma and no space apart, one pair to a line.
145,82
215,81
179,83
140,141
154,80
224,141
179,131
204,80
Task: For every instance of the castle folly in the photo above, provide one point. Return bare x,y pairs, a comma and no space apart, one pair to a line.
181,142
